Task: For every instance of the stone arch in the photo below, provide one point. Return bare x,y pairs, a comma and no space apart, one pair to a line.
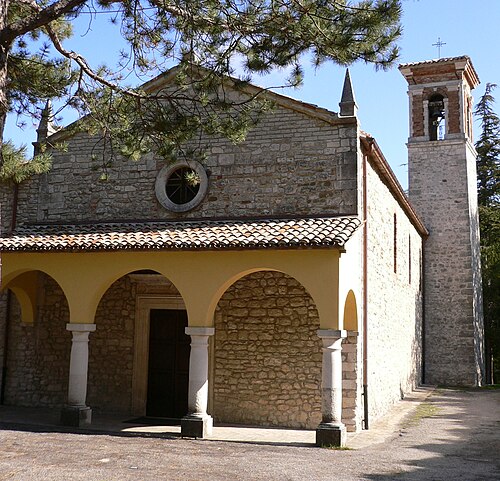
267,355
25,286
119,347
39,347
431,92
436,112
350,312
436,103
131,265
319,277
147,280
351,388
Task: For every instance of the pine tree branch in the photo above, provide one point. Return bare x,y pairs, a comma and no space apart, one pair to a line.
84,66
41,17
77,58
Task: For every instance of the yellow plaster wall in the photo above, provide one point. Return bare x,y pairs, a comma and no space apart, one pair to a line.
350,270
201,277
24,287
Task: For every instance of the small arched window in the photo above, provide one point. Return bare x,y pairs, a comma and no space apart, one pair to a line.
437,121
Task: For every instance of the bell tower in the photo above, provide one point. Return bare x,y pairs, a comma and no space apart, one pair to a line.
443,190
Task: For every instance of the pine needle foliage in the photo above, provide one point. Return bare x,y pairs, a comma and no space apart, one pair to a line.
17,169
216,46
488,169
488,149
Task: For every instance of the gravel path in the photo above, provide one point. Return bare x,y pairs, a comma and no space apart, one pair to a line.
453,435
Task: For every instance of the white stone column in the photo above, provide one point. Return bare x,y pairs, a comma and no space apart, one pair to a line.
331,431
76,412
198,423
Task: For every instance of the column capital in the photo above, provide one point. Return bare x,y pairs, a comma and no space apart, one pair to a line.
80,327
200,331
331,333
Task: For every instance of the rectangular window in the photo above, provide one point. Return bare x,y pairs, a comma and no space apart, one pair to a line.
409,259
420,272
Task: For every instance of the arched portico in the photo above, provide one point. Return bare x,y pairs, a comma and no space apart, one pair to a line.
201,278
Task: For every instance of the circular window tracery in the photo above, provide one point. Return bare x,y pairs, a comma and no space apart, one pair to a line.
180,187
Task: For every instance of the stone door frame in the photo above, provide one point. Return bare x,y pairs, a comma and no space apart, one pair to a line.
144,304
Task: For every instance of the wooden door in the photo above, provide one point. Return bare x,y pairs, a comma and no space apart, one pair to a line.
168,366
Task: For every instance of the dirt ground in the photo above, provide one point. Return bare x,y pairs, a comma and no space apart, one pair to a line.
453,435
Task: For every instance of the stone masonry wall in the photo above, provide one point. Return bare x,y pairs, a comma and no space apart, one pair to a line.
394,314
3,310
352,408
267,367
38,360
267,356
442,180
6,207
111,349
38,354
477,281
290,164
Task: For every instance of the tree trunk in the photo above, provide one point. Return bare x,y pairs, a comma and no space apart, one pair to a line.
4,54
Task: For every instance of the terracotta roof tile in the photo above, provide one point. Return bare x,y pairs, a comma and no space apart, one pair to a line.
435,60
185,235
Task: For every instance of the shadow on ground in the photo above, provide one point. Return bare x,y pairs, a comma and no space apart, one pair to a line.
34,428
453,435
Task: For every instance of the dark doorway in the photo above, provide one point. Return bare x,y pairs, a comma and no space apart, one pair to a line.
168,367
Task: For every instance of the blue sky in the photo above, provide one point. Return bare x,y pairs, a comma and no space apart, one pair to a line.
467,28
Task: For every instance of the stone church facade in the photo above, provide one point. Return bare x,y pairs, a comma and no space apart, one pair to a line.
286,288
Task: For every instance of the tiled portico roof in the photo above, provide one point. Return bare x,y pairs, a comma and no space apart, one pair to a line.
185,235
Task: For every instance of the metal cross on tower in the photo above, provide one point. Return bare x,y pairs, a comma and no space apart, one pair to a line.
439,44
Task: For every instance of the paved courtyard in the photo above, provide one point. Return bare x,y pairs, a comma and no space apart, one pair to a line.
440,435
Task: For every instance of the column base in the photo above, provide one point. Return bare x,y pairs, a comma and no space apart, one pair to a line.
193,426
76,416
333,435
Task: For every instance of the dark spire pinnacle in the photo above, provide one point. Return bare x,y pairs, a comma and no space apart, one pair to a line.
46,126
348,107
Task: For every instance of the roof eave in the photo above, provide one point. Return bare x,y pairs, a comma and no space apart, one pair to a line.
383,167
